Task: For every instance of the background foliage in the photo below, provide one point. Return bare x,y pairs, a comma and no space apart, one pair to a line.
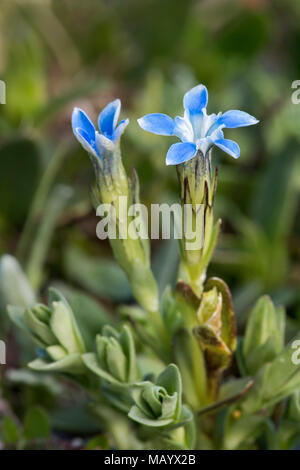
59,53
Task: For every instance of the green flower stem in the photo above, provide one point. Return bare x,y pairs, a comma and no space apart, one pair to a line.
160,329
133,255
196,277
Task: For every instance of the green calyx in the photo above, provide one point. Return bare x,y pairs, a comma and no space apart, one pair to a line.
197,189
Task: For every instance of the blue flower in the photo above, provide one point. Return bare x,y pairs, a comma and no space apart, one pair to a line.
96,142
197,130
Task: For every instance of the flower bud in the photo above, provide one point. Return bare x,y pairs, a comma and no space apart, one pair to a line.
115,359
158,404
54,328
216,333
264,338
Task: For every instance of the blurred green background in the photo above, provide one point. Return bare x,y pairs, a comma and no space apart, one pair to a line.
57,54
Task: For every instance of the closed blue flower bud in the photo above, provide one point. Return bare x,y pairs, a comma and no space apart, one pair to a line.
94,142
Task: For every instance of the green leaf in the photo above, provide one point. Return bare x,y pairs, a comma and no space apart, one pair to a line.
288,434
187,303
100,276
228,328
36,424
63,326
165,264
56,352
190,360
189,431
261,355
54,295
38,328
265,330
127,342
170,379
138,416
137,314
71,363
116,361
14,286
91,362
90,317
293,411
33,379
264,338
275,210
159,404
289,430
56,203
98,442
217,354
10,431
16,314
181,439
241,433
171,311
275,381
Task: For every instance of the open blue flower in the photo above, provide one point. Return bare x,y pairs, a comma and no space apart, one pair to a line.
197,130
93,141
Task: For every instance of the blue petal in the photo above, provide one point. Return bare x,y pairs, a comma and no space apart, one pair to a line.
82,121
235,118
181,152
88,144
104,145
229,146
108,118
196,99
157,123
183,129
217,134
120,129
